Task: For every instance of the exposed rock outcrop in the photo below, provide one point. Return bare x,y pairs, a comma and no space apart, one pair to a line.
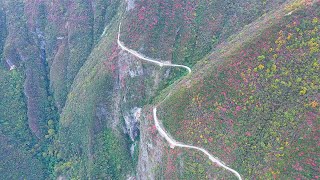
132,123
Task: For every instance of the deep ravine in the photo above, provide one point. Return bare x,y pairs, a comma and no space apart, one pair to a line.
160,129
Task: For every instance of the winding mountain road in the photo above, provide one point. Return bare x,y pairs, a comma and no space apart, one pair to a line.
160,129
141,56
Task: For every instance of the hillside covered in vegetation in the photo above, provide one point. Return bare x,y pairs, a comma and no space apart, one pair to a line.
74,104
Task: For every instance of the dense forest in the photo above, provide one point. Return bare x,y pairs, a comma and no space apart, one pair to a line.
78,101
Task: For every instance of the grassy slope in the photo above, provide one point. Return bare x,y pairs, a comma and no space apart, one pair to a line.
257,108
81,141
78,114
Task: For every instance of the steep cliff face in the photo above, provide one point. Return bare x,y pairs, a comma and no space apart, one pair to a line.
84,106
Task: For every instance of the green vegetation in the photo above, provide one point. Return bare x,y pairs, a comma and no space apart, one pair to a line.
3,31
13,112
197,166
17,163
258,107
184,32
254,102
17,144
71,53
113,160
88,148
14,126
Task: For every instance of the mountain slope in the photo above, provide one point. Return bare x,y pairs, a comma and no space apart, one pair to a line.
16,163
77,106
257,106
